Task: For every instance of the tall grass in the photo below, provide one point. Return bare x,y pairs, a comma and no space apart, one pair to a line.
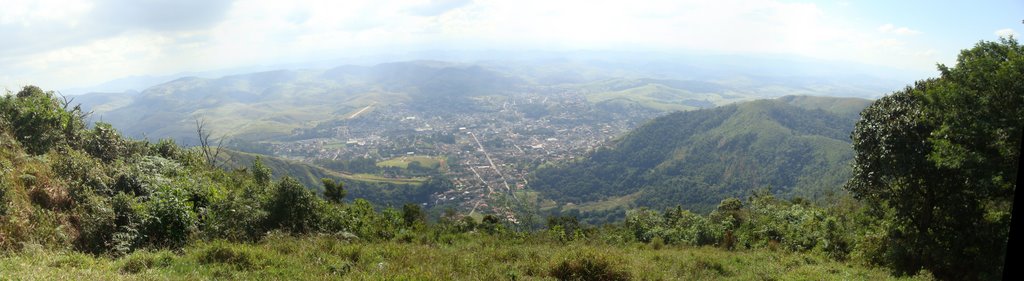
472,257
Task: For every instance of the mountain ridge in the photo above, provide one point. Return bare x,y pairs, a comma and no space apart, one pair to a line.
698,158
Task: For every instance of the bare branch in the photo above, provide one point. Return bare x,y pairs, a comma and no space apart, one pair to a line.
210,152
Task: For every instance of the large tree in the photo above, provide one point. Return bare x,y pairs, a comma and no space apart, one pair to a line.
938,163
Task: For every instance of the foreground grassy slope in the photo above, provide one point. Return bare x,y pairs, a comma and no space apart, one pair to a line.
468,257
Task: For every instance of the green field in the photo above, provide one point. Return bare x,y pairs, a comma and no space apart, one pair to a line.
308,174
471,256
377,178
607,204
659,97
433,162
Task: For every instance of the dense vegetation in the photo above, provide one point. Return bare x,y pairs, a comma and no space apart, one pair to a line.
697,158
376,188
938,164
160,210
930,162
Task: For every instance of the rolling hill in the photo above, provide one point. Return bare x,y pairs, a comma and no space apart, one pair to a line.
792,146
267,105
382,191
263,105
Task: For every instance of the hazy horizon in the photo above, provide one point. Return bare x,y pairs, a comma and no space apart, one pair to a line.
83,43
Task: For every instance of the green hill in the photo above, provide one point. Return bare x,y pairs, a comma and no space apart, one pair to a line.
380,190
263,105
269,105
697,158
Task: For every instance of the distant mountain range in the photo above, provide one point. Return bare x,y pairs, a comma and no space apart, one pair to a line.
272,104
791,146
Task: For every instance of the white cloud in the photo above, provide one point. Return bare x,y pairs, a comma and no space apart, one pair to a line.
29,12
1007,32
270,31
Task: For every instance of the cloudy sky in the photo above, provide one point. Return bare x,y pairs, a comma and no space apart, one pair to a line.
74,43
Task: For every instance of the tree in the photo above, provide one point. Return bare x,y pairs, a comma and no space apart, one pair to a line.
413,214
293,207
261,173
937,162
334,192
210,152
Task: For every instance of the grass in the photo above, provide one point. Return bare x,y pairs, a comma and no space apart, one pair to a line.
607,204
378,178
308,174
651,96
433,162
468,257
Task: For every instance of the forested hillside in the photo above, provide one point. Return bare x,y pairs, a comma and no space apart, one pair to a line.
695,159
379,189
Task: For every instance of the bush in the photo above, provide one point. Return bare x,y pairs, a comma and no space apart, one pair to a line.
136,264
170,223
240,216
236,256
128,218
94,219
3,197
167,148
293,208
588,267
104,143
261,173
38,119
82,173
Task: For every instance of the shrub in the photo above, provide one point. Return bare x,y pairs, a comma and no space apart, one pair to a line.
657,243
39,120
588,267
136,264
240,216
238,257
82,173
128,218
94,219
261,173
45,193
705,265
167,148
3,197
334,192
292,207
412,214
104,143
170,222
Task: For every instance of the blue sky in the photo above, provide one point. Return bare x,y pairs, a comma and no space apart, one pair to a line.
72,43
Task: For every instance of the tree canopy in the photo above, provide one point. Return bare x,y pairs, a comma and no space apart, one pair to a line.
938,163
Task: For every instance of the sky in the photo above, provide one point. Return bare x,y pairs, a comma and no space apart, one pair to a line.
59,44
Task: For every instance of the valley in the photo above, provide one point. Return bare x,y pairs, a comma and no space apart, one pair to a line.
491,134
487,152
510,140
656,173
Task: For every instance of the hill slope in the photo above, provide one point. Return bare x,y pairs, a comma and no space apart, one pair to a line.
698,158
380,190
273,103
270,105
